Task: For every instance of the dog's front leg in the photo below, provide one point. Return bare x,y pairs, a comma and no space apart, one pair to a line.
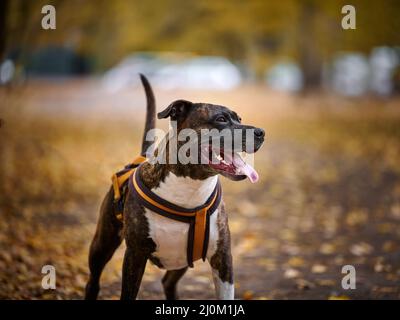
220,256
222,269
223,277
132,273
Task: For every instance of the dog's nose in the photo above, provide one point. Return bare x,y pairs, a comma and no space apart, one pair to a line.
259,133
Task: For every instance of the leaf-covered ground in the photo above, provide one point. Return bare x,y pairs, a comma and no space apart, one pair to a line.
329,193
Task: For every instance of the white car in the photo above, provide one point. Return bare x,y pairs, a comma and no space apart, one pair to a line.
214,73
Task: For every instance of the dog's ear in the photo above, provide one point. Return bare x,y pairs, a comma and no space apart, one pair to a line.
176,110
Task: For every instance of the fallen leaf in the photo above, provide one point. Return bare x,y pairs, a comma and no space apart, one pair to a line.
389,246
248,295
356,217
342,297
296,262
291,273
361,249
318,268
303,284
326,282
327,248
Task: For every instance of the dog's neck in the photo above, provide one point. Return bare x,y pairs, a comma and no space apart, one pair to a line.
180,190
184,191
188,186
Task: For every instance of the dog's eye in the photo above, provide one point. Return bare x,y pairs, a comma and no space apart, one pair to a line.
220,119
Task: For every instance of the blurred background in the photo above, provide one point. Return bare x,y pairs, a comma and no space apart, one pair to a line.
72,112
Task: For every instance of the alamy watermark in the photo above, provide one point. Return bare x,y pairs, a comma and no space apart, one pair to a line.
49,280
188,146
349,280
349,20
49,18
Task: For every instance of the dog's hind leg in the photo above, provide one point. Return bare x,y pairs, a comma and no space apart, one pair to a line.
132,273
106,240
169,282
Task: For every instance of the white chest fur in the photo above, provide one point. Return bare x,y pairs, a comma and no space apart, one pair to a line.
170,236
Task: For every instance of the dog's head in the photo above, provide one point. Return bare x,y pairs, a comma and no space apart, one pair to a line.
221,137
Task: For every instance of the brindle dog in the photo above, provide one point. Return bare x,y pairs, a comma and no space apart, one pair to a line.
149,236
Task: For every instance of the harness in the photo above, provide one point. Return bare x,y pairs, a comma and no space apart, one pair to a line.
198,218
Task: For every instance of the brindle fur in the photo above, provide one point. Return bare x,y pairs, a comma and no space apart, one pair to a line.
135,229
221,260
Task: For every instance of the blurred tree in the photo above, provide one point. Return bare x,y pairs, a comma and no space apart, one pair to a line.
255,32
3,24
308,50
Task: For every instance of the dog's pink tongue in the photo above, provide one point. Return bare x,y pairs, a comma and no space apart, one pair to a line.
245,168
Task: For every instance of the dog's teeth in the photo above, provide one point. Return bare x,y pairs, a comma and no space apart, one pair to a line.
243,155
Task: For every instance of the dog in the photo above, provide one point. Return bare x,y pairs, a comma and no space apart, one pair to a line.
164,241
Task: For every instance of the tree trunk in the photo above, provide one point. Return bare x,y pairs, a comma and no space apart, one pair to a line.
309,56
4,4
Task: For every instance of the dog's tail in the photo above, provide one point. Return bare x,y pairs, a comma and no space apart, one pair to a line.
150,113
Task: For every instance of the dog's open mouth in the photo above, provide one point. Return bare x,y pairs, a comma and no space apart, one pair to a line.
230,164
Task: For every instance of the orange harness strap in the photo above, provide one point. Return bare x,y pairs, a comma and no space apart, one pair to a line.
199,232
118,181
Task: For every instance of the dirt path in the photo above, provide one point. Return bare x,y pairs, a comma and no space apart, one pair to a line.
312,214
329,194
